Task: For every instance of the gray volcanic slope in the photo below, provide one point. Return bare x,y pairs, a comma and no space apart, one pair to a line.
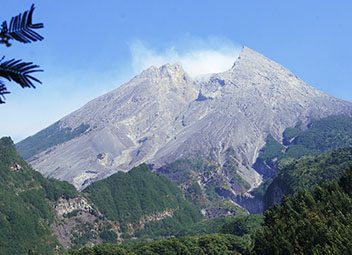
163,115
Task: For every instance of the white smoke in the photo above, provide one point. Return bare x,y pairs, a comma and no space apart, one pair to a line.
196,60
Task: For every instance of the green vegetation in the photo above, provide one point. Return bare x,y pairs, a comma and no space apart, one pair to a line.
139,196
194,194
290,133
311,222
260,191
307,172
22,29
323,135
84,235
208,226
108,236
47,138
183,170
224,235
268,156
217,183
214,244
316,220
243,225
25,197
234,225
271,150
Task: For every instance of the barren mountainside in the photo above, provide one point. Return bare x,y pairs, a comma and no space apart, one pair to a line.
163,115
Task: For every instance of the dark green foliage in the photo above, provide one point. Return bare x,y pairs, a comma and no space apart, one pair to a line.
207,226
306,172
215,244
19,72
25,213
108,236
129,197
271,150
323,135
194,193
187,173
260,191
182,170
74,213
20,29
317,222
268,156
184,216
244,225
84,235
47,138
235,225
102,249
55,189
290,133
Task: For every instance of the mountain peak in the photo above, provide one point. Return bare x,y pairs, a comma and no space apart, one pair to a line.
249,56
173,72
162,115
172,69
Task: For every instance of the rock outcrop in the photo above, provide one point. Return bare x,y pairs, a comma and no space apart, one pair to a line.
77,223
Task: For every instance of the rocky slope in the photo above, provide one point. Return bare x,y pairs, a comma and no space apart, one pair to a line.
77,223
162,115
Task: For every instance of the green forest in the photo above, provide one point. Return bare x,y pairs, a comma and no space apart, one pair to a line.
128,197
25,204
312,221
308,204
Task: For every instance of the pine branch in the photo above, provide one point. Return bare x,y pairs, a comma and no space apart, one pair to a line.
21,29
19,72
3,91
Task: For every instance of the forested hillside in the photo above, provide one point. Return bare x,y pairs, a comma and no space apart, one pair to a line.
317,221
143,203
323,135
315,218
310,222
305,173
25,210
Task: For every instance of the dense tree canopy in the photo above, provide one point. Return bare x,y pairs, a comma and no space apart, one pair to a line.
311,222
25,204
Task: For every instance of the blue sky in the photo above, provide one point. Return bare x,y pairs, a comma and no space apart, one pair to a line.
91,47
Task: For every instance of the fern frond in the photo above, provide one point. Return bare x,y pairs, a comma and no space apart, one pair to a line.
19,72
21,28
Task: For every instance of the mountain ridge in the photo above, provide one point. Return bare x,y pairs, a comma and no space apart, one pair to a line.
159,117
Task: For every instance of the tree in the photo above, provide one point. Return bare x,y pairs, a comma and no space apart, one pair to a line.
21,29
